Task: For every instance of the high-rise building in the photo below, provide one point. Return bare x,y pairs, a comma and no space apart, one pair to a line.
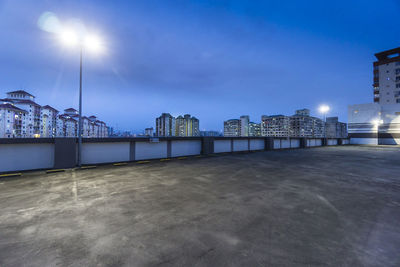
149,131
187,126
304,125
48,118
254,129
387,77
165,125
13,121
303,112
299,125
232,127
180,129
275,126
26,101
34,120
335,129
195,126
244,125
379,122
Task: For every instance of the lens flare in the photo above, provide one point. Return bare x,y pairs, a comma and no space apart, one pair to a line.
49,22
93,43
69,38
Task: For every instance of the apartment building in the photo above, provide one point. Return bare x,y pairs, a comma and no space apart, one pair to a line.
12,121
34,120
379,122
26,101
275,126
335,129
48,121
244,125
165,125
186,125
301,124
254,129
232,128
149,131
241,127
386,72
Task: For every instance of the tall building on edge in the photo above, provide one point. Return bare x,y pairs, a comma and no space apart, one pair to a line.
379,122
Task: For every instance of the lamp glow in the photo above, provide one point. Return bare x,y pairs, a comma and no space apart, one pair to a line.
69,37
324,109
376,122
93,43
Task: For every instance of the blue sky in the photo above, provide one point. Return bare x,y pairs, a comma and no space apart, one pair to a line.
213,59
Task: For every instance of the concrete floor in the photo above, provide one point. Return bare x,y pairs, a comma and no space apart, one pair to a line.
332,206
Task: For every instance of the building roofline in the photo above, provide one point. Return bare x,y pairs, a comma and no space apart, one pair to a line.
10,106
50,107
20,92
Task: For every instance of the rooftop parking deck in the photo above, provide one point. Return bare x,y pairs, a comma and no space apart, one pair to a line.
327,206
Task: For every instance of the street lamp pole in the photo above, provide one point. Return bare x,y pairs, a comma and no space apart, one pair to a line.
91,43
80,111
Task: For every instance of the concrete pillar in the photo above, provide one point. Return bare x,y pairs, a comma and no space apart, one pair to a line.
340,141
231,144
303,142
65,153
324,141
169,145
268,143
207,145
132,151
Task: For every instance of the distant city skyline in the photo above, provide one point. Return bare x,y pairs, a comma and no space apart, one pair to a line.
216,60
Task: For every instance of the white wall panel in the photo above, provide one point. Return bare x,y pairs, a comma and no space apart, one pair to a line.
311,142
146,150
332,142
285,143
294,143
318,142
277,143
18,157
240,145
185,148
93,153
364,141
257,144
221,146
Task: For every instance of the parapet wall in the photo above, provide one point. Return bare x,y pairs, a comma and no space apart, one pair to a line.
54,153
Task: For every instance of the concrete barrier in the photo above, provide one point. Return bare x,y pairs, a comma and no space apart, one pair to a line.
221,146
240,145
332,142
294,143
19,157
185,148
47,153
147,150
257,144
95,153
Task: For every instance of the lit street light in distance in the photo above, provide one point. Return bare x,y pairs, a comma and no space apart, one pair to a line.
376,123
89,42
323,109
